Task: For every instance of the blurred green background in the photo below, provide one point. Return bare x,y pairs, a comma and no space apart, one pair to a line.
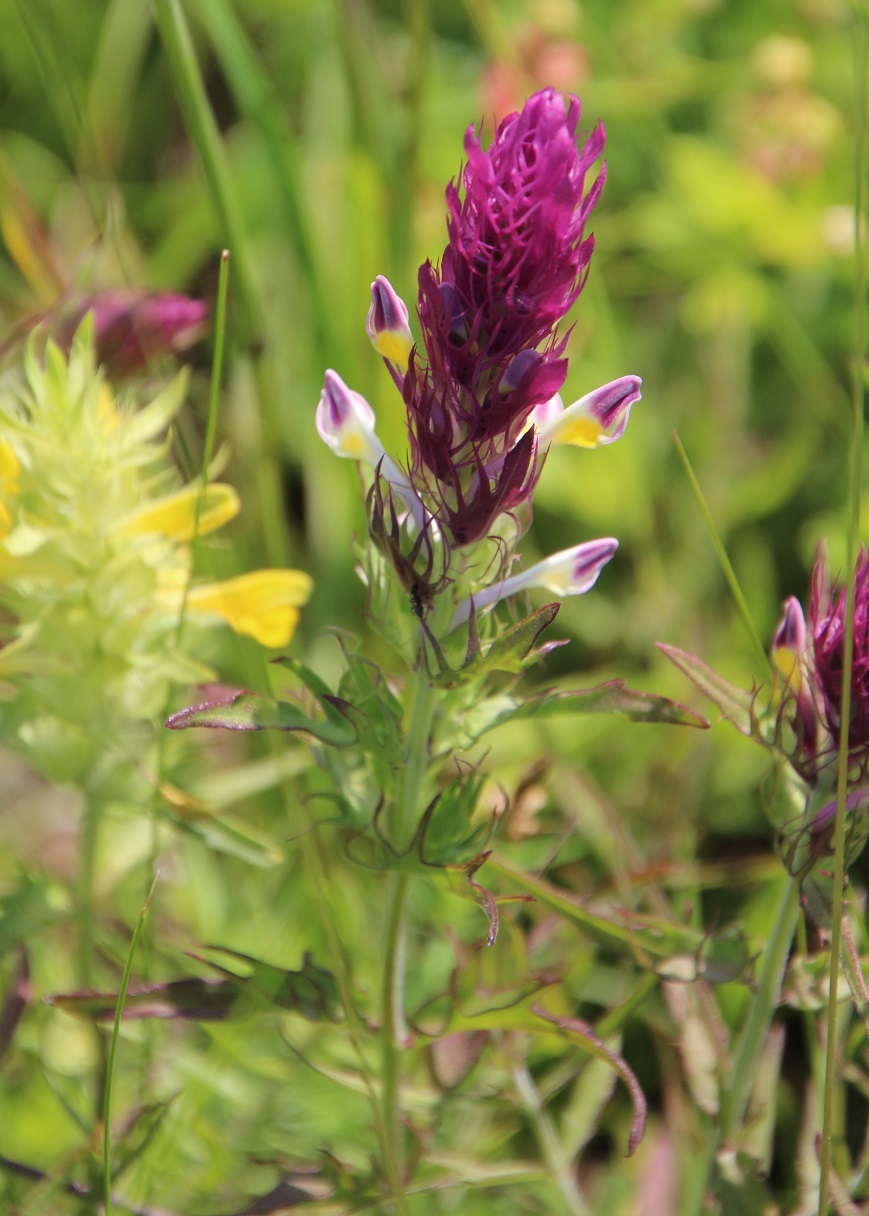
723,275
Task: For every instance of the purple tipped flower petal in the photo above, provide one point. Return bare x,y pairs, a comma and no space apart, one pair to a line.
598,418
571,572
345,421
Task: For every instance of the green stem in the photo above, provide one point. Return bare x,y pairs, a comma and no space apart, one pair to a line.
87,859
205,135
113,1051
394,1033
87,864
557,1161
404,814
761,1011
855,451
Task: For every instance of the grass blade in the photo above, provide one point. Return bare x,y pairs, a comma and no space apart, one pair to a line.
113,1051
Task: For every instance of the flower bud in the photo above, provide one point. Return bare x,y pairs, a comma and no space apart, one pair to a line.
387,323
345,421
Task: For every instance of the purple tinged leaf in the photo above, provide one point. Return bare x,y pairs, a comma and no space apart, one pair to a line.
613,697
452,1057
226,708
576,1029
310,991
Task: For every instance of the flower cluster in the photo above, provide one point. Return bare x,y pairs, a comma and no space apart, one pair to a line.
810,657
95,563
481,392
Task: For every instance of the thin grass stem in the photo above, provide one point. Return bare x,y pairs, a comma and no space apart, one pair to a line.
724,561
206,137
557,1162
113,1051
855,453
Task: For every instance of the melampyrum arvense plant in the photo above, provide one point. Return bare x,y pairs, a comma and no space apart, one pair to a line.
480,386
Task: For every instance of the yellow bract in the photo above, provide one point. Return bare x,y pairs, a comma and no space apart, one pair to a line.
176,515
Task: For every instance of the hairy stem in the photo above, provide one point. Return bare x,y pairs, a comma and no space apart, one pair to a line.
403,818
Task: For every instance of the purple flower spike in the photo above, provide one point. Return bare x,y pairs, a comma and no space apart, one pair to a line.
132,327
517,254
516,261
827,626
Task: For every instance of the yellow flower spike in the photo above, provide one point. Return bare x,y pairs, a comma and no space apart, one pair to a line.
262,605
175,515
107,408
10,466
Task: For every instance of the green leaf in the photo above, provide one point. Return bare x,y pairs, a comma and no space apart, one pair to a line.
585,1035
510,653
613,697
734,703
239,709
675,951
24,911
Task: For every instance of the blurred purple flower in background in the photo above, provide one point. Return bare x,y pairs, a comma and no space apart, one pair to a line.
133,327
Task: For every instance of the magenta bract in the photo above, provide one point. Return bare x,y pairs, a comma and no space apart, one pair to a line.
827,611
516,261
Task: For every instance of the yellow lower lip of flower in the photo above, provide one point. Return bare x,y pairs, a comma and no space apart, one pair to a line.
394,347
175,515
582,433
787,663
262,605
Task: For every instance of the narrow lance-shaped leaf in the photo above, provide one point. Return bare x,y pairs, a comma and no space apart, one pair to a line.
239,709
590,1041
15,1001
734,703
676,951
613,697
310,991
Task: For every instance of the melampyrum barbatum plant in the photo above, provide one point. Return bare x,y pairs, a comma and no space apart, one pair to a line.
446,586
96,581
